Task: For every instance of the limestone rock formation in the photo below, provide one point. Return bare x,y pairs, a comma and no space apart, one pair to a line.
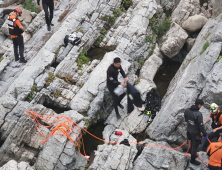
173,41
194,23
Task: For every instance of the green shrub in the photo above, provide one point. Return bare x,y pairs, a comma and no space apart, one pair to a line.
116,12
102,34
140,62
86,123
207,36
57,94
219,58
49,79
149,39
31,94
162,28
125,4
1,58
29,5
57,51
82,59
205,46
16,93
80,30
137,82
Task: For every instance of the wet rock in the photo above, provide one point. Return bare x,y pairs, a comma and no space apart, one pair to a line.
194,23
172,42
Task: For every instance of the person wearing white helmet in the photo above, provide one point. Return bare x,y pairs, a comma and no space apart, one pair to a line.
216,124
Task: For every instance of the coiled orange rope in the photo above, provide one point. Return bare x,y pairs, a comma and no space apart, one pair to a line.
65,126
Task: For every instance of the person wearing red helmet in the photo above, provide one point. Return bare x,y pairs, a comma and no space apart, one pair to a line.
15,30
48,4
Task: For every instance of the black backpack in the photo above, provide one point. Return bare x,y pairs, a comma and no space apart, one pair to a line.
152,103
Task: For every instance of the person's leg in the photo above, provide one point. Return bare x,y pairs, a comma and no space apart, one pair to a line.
21,48
213,167
51,10
115,102
120,98
194,145
15,45
45,8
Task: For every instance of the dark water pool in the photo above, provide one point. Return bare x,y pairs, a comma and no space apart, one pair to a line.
90,142
98,53
165,74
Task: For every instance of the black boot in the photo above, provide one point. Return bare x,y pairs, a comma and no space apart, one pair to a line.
194,162
52,24
22,61
48,27
121,106
118,116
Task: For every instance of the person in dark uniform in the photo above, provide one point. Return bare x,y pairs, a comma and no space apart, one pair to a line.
195,127
48,4
112,83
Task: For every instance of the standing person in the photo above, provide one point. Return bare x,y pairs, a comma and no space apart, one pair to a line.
216,124
215,153
112,83
195,127
48,4
15,30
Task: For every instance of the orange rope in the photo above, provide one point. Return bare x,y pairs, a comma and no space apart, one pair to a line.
66,126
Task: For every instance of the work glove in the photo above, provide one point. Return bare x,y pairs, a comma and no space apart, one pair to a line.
205,137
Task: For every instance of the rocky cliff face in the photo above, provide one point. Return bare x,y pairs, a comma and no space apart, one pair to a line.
143,33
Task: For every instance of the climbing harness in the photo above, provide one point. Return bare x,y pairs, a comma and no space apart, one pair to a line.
63,125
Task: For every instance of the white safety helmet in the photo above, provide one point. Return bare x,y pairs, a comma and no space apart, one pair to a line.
213,107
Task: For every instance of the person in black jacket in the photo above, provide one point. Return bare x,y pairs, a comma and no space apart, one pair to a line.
48,4
195,127
112,83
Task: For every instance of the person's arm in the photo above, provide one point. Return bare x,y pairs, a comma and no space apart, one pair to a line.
219,121
39,7
123,74
22,28
201,125
208,119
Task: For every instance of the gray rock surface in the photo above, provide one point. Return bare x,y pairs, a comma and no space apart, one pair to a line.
13,165
187,85
172,42
185,9
194,23
217,7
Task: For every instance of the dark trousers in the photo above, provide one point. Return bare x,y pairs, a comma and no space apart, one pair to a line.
18,42
48,5
210,137
194,145
213,167
116,100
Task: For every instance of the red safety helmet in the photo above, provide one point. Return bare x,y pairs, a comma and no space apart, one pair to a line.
18,10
